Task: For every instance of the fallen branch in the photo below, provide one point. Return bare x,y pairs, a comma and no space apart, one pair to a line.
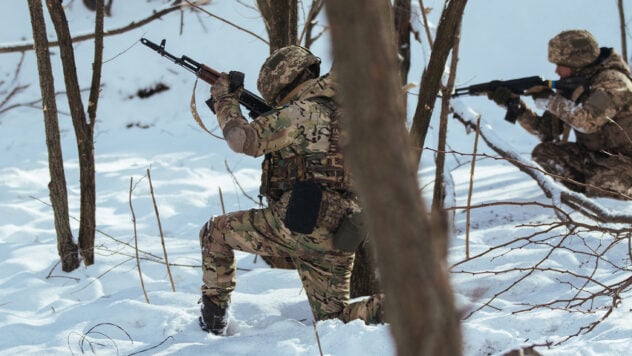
558,194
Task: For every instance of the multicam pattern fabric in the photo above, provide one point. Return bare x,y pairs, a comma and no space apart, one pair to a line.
602,123
324,271
301,128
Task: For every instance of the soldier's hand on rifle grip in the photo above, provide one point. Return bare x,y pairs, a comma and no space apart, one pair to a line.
501,95
224,89
220,88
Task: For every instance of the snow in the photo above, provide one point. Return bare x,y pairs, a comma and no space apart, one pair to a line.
102,309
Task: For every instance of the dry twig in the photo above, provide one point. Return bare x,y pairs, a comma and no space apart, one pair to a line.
579,202
131,207
162,236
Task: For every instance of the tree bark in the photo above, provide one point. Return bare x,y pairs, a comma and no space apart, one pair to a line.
84,132
66,247
415,279
431,78
281,20
364,280
401,11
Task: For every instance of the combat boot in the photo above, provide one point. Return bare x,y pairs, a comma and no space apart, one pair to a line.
214,318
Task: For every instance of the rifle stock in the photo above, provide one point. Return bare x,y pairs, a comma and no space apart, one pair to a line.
255,104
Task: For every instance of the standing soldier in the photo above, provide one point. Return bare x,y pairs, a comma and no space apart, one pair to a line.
306,185
599,163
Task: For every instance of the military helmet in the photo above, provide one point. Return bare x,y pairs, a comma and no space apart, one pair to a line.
573,48
282,68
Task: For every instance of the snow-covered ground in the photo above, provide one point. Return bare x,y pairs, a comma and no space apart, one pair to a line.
102,309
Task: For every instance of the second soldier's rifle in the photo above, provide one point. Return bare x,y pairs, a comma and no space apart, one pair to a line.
521,86
255,104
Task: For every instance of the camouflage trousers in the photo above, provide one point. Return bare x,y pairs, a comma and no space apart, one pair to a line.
598,174
324,271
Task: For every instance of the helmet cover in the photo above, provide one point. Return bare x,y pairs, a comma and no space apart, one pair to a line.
281,69
573,48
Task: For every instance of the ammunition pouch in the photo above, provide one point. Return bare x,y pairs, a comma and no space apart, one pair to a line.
351,233
303,207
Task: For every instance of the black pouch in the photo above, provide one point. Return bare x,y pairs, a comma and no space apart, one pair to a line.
351,233
303,207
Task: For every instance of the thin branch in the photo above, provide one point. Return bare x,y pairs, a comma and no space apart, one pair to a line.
624,46
545,181
470,188
162,236
227,22
131,207
221,200
133,25
426,24
320,349
232,175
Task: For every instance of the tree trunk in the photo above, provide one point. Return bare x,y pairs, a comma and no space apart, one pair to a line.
401,11
84,132
66,247
419,298
281,20
431,78
364,279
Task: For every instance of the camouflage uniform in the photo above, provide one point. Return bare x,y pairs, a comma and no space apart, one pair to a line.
601,118
297,141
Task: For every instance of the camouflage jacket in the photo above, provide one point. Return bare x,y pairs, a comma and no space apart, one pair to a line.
301,130
602,119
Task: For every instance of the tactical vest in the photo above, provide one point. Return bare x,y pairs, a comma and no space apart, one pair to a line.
614,137
326,168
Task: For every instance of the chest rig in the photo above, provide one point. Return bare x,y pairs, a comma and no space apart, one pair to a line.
282,169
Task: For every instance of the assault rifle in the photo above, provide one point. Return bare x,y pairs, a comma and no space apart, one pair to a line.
520,86
255,104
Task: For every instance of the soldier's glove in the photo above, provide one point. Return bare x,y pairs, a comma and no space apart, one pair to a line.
539,92
501,96
227,87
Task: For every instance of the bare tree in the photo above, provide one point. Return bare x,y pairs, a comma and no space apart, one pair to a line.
431,78
281,20
84,127
310,23
66,247
364,279
419,298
